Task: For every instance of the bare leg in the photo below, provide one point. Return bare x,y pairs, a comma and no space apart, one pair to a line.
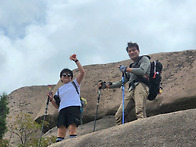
73,131
61,132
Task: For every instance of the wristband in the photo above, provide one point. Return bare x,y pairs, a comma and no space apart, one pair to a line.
76,61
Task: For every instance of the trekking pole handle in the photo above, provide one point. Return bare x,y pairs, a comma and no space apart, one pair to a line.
101,84
50,92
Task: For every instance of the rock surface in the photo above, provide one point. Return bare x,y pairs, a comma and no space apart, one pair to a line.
175,129
178,82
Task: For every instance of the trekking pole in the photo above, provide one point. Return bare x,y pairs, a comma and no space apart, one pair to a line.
99,93
81,116
50,90
123,91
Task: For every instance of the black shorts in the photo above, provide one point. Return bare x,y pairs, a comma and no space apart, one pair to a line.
68,116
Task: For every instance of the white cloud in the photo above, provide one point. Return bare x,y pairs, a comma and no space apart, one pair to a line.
37,37
16,15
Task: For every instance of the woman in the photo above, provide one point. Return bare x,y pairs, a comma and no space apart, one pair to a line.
67,100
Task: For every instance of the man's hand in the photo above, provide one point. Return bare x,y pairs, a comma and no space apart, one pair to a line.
101,85
122,68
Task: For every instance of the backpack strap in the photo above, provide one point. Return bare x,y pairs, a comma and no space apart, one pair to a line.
155,69
136,64
139,79
74,84
81,107
58,93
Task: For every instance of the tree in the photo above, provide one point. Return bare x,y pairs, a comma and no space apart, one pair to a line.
25,128
28,131
45,141
4,110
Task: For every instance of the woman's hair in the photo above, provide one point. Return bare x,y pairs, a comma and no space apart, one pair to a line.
66,70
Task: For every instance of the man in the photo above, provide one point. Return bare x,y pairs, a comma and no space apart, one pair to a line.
67,100
136,75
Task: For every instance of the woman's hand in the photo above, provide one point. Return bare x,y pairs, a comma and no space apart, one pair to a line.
73,57
50,96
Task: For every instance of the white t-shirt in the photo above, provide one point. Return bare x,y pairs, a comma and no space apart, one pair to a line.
68,95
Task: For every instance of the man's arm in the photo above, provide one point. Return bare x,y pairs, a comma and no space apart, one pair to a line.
117,84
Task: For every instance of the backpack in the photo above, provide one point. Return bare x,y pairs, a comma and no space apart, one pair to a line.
154,81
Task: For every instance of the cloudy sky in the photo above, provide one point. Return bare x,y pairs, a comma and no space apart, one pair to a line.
38,36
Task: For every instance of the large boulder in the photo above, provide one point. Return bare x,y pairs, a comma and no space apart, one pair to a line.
178,82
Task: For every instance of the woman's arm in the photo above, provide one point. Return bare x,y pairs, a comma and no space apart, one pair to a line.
52,100
80,68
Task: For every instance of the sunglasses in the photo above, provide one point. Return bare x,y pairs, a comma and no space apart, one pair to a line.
66,75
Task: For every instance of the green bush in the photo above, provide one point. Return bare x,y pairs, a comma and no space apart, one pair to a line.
4,110
45,141
4,143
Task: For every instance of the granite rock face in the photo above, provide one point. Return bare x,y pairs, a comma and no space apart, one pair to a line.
172,129
178,82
